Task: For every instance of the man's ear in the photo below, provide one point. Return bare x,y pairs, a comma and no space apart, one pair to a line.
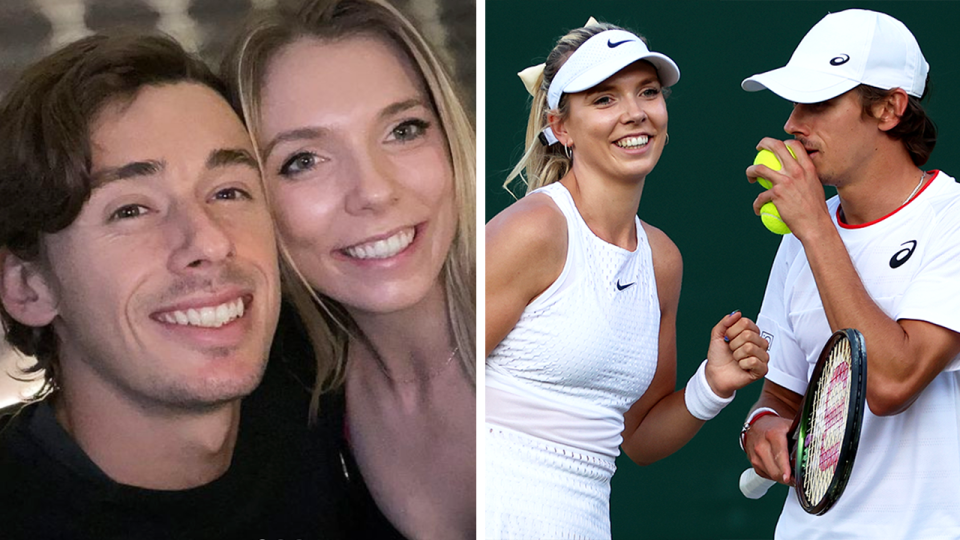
891,109
26,292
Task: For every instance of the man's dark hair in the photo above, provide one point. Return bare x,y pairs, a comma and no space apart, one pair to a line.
916,129
45,154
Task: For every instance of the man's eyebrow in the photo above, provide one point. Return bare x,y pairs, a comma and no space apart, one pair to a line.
130,170
224,157
298,134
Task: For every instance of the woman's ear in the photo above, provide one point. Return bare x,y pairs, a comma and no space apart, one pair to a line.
26,291
559,127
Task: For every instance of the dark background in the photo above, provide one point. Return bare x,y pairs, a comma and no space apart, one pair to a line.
699,196
30,29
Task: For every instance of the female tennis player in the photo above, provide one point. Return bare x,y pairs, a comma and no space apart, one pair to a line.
368,158
581,299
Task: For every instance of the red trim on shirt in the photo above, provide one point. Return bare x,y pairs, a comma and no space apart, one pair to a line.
935,173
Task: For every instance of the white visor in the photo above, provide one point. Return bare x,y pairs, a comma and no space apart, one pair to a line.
602,56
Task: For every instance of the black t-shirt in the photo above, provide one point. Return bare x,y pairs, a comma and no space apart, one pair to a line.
365,519
285,481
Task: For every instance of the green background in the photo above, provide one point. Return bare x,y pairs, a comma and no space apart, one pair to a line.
698,194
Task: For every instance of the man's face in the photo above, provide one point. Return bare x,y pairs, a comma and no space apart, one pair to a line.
167,283
836,134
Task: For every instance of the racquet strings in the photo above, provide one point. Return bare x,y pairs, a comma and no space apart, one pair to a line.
828,420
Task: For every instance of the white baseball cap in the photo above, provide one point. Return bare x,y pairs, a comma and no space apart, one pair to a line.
843,51
602,56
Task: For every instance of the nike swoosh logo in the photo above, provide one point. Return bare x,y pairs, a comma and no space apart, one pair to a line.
617,44
622,287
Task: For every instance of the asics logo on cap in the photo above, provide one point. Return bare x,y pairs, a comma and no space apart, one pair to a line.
840,60
617,44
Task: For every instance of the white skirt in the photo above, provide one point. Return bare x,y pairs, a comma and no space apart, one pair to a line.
537,489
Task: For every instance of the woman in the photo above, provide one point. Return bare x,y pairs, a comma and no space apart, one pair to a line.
368,159
582,298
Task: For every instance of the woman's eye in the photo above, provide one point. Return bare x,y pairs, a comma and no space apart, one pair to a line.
605,100
410,130
299,163
650,92
128,211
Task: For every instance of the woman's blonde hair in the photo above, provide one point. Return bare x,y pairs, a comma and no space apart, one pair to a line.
543,164
244,68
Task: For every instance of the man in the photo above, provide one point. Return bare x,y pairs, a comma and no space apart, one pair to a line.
882,256
138,265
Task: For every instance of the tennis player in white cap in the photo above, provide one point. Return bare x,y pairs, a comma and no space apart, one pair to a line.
882,256
581,299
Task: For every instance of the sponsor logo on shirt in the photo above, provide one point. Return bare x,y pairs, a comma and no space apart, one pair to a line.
769,337
903,255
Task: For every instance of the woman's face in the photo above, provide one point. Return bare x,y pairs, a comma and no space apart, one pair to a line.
358,170
618,127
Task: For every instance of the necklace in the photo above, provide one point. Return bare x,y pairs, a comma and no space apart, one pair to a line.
436,371
923,174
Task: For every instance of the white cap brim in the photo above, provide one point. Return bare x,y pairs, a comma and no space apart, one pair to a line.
800,85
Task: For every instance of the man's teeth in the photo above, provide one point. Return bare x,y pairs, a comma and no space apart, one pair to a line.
207,317
382,249
633,142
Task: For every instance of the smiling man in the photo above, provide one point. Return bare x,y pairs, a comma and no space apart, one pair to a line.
138,266
883,257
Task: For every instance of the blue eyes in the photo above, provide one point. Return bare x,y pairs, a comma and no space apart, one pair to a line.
299,163
405,132
410,130
649,92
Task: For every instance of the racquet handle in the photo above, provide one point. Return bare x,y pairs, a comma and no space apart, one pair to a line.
754,486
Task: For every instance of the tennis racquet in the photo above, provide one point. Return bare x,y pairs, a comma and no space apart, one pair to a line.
823,439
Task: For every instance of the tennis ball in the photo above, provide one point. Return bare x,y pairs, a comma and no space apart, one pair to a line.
771,219
768,158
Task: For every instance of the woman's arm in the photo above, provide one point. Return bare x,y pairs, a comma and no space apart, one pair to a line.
659,423
526,247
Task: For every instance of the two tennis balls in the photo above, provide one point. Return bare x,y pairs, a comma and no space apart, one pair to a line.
768,212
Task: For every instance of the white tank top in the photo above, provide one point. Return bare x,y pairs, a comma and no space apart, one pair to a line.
583,351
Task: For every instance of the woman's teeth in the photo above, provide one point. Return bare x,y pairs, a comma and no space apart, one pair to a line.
382,249
633,142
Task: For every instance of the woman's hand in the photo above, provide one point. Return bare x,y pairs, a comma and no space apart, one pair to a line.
737,355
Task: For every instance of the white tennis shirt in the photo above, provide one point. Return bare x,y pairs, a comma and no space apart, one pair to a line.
905,482
583,351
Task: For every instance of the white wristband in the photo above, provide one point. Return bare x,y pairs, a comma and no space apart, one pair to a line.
702,403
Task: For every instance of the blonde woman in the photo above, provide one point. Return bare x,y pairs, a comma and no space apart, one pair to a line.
581,299
368,158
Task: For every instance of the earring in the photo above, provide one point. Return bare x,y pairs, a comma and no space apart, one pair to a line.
668,140
566,150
